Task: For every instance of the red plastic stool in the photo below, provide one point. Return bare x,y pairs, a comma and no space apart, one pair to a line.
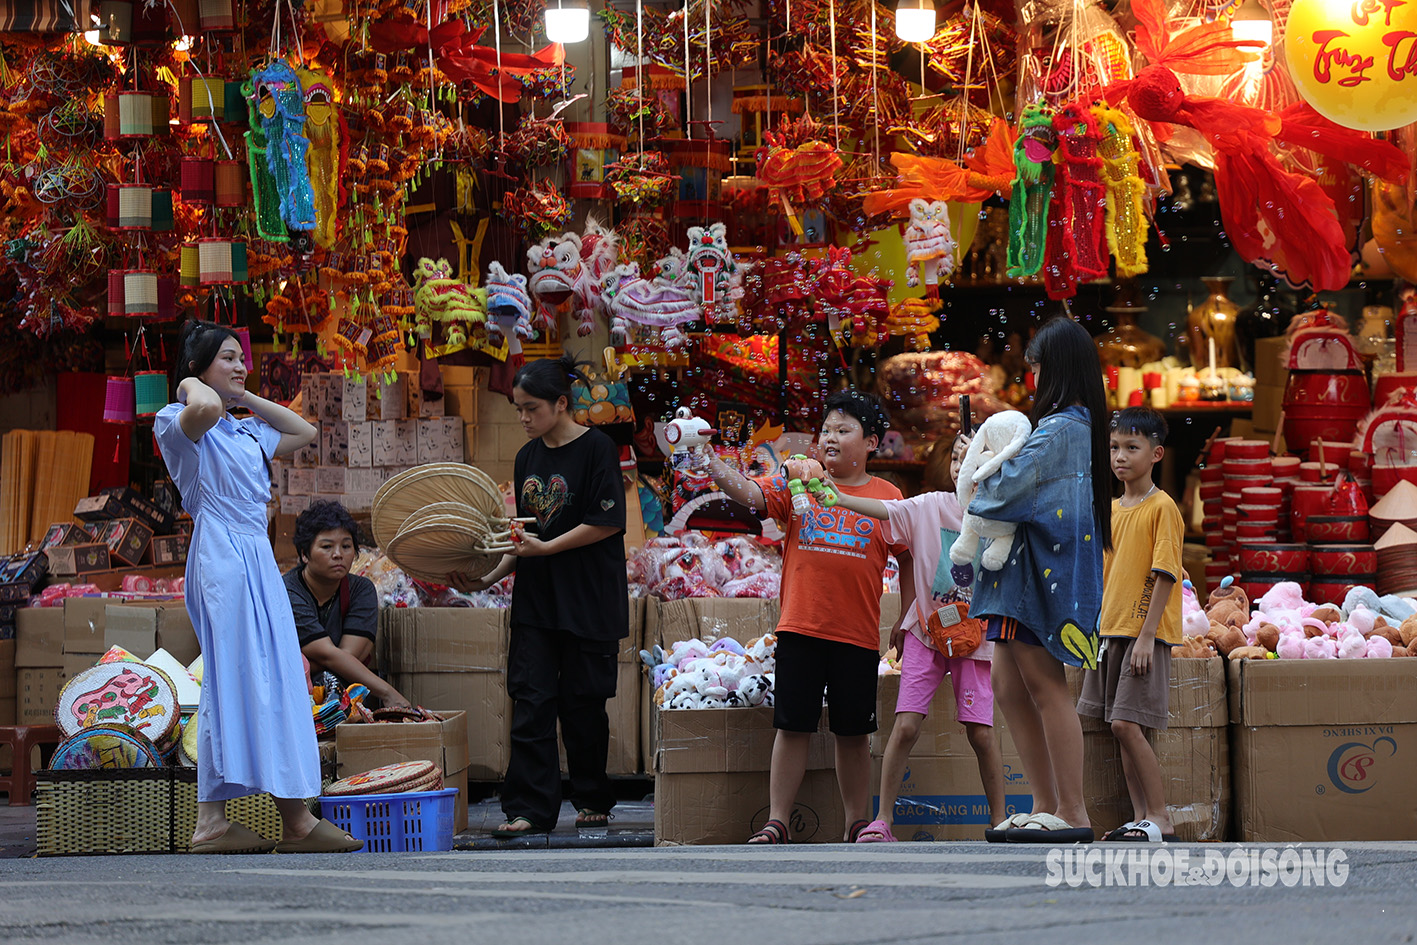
22,740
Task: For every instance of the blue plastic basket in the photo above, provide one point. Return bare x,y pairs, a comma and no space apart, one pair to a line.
417,821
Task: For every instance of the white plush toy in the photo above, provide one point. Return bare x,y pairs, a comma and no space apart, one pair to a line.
998,439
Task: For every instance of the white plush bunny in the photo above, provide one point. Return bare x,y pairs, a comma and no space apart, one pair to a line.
998,439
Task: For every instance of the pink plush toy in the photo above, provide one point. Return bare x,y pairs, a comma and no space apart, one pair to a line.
1379,647
1284,596
1291,645
1362,620
1320,648
1351,644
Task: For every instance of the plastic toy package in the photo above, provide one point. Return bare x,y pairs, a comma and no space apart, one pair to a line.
690,565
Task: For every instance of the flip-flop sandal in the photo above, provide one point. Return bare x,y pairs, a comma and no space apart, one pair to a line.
1049,828
1116,833
771,833
237,839
325,838
1143,831
508,830
587,818
999,834
874,832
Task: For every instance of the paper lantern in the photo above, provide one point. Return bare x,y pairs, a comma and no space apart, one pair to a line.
134,114
189,265
201,99
149,392
118,401
243,335
135,207
593,145
221,262
236,109
1355,63
230,183
216,15
115,292
139,292
183,14
198,180
163,220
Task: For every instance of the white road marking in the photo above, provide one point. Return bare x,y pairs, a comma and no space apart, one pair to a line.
655,878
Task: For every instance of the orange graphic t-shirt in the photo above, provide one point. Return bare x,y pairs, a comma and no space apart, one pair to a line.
832,565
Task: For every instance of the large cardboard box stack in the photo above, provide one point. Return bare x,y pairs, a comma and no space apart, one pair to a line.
1194,754
454,658
667,622
362,747
85,626
39,664
144,628
711,779
624,756
942,796
1324,750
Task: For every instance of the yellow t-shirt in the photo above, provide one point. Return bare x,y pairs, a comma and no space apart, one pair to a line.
1146,538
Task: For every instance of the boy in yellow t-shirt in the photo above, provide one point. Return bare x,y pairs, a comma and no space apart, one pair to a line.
1140,620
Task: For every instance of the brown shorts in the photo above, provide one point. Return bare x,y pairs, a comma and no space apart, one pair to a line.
1111,692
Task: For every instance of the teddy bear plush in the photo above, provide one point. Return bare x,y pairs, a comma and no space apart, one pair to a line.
997,440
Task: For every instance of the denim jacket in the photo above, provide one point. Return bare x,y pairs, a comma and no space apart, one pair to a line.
1052,583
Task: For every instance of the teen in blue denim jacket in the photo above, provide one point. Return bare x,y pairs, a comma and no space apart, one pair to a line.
1042,608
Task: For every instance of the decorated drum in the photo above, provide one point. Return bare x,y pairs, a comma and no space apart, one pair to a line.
123,692
107,747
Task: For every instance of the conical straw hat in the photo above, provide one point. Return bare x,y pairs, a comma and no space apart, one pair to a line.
1399,505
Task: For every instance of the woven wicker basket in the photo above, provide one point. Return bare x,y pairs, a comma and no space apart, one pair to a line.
143,810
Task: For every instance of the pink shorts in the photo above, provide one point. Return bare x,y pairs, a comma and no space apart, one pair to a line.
923,669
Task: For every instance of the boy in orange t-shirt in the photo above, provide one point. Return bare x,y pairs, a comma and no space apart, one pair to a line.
828,637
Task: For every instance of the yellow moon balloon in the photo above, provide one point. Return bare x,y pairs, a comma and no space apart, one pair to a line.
1355,61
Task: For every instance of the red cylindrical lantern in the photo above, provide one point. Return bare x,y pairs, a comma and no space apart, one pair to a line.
198,180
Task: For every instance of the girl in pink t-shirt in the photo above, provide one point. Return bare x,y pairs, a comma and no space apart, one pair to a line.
929,523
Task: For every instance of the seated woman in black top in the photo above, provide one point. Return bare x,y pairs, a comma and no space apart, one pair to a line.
336,613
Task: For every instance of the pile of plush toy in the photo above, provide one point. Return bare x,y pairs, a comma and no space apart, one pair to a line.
690,565
1283,625
696,675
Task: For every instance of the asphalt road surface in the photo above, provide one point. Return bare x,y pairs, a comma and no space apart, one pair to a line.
796,895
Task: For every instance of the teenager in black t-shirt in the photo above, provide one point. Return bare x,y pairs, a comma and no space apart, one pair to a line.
570,606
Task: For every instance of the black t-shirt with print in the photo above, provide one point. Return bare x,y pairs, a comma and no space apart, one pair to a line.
583,590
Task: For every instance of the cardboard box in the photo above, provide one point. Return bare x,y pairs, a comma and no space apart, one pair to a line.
1194,754
709,618
165,496
1269,404
99,508
362,747
76,663
461,402
143,628
9,710
711,779
1271,365
941,795
385,399
308,456
1324,750
454,657
171,549
37,693
128,540
300,482
77,560
353,397
7,670
84,624
440,440
395,442
334,444
330,480
144,509
39,637
361,445
65,533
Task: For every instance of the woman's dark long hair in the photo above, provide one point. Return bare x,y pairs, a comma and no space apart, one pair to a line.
1070,373
197,347
550,379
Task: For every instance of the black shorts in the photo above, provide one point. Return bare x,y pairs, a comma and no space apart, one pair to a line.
810,667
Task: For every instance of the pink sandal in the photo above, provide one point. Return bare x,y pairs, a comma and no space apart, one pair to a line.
875,832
